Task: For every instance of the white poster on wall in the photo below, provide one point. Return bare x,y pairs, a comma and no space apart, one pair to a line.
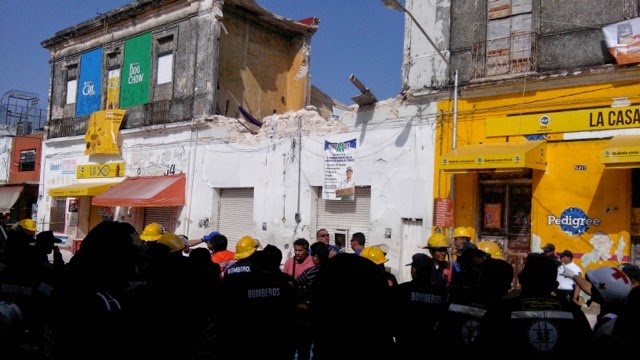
339,183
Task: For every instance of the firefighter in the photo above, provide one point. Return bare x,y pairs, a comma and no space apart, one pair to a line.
261,301
439,248
245,249
421,303
486,280
376,255
491,248
536,322
152,232
462,240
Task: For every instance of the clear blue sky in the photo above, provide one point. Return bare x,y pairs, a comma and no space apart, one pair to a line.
359,37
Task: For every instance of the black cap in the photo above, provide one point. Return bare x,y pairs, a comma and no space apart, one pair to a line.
566,253
632,271
549,248
47,236
420,260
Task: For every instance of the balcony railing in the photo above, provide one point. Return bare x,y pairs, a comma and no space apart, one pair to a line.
155,113
509,55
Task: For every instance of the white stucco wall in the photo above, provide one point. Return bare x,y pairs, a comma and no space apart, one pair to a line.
394,157
423,68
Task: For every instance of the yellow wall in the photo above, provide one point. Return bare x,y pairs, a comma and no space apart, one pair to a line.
260,69
600,193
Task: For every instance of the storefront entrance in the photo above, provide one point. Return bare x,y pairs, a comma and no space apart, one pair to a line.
504,216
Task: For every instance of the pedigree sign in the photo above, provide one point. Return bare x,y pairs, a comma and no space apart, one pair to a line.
565,121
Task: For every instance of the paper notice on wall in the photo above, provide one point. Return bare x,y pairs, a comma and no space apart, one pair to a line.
339,183
623,40
492,216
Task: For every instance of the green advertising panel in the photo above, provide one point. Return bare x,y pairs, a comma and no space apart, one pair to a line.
136,71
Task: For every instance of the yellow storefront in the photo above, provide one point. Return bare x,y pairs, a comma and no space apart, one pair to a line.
551,166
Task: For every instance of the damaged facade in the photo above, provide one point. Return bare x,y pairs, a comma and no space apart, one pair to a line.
185,136
532,151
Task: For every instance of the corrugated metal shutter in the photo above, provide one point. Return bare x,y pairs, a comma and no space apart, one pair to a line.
163,215
58,212
235,214
94,216
351,215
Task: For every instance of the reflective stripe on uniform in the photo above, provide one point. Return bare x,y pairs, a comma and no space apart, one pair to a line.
468,310
541,314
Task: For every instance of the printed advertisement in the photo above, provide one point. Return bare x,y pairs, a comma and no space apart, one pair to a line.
623,40
492,216
102,132
136,71
113,89
90,83
339,183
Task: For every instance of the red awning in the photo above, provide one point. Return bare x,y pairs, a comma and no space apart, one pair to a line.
145,191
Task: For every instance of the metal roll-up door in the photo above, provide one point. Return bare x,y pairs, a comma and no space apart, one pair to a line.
235,214
342,218
164,215
58,214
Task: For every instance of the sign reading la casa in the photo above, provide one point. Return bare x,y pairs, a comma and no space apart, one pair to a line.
565,121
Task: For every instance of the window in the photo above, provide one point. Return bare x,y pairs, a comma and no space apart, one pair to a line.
510,41
114,63
164,49
165,68
27,160
72,83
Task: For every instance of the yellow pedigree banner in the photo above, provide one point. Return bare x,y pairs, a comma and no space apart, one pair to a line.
565,121
91,171
102,132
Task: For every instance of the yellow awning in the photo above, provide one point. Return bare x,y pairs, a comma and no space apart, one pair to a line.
622,152
78,189
500,157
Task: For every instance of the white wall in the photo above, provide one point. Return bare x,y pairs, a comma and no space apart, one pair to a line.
423,68
394,157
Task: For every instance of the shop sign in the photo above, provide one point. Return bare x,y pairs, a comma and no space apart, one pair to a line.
443,214
573,221
111,170
626,117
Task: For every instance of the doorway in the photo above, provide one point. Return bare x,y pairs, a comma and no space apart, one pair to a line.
504,217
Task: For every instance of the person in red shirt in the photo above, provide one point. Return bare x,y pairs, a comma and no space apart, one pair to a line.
300,261
220,255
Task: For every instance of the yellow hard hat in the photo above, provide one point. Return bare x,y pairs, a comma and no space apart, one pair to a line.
245,247
461,231
27,224
152,232
374,254
491,248
437,240
172,241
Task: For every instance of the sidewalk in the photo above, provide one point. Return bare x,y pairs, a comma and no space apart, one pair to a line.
591,312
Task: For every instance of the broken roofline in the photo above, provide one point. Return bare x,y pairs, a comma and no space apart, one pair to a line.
304,26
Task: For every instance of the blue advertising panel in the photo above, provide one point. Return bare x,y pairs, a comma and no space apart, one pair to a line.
89,83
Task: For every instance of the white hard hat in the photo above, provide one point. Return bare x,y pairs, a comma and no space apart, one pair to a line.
610,282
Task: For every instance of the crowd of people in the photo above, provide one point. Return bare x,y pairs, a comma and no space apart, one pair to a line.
151,295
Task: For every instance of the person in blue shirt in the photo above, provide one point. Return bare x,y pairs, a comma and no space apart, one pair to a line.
357,242
323,236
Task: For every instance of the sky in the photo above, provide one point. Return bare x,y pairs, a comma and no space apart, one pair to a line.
359,37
